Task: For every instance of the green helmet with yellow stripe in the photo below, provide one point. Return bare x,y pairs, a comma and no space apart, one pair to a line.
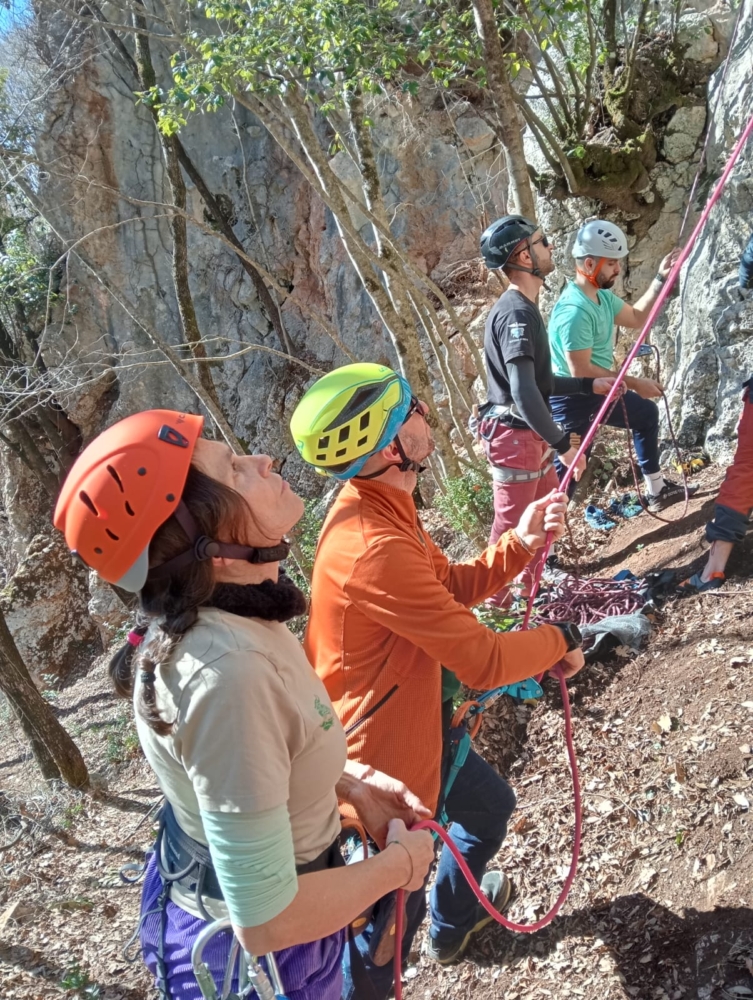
348,415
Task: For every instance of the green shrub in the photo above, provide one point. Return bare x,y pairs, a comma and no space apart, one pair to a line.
76,978
467,503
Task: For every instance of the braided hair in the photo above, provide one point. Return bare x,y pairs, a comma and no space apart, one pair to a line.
170,604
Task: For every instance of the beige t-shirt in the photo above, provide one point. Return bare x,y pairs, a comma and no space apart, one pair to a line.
254,729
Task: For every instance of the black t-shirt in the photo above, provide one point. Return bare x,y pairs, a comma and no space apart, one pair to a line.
515,329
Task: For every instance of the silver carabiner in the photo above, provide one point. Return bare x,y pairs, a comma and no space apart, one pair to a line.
251,975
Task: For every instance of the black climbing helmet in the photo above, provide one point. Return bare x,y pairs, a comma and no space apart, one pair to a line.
500,239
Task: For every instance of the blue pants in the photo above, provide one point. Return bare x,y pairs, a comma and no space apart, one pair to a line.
479,807
577,413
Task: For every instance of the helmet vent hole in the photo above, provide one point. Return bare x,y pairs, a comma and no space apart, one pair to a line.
363,423
362,441
129,509
344,434
116,477
88,502
341,452
323,441
321,458
112,535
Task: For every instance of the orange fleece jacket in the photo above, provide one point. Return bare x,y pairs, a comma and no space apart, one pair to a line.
387,610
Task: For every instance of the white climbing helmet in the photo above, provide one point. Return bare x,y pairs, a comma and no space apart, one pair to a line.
600,238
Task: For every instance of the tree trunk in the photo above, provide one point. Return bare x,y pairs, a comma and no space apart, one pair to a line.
401,330
504,103
178,226
58,757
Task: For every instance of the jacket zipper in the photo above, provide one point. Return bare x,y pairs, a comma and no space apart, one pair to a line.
374,708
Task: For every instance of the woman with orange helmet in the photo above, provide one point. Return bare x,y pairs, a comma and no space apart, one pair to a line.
237,726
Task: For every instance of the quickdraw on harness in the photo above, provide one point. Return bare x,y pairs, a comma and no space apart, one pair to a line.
611,397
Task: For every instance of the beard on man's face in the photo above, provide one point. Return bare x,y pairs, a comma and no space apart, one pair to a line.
605,282
418,446
547,266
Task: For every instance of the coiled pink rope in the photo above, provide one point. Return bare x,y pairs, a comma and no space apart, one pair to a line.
557,670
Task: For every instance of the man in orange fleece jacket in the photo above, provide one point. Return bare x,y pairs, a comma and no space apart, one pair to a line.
388,609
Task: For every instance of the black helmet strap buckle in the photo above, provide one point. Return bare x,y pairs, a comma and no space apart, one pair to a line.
203,548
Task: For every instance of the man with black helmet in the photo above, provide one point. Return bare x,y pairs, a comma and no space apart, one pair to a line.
520,437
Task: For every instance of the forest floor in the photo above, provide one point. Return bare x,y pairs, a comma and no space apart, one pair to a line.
662,906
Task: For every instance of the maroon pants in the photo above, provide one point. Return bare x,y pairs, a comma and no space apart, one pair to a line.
519,450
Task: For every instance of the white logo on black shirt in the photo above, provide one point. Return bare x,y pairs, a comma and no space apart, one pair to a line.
517,331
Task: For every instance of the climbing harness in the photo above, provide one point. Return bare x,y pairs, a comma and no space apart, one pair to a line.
496,414
606,407
183,861
506,474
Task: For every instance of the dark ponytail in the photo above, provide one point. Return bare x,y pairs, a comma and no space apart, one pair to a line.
119,667
173,602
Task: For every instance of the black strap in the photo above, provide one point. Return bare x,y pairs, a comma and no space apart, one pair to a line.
203,547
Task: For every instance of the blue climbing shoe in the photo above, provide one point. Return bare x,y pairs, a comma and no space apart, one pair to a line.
697,585
597,518
627,506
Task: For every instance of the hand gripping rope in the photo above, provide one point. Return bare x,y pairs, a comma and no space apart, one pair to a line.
557,670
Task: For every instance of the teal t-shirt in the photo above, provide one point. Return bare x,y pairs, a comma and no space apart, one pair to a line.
577,323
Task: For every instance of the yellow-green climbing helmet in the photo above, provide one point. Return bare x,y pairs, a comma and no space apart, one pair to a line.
348,415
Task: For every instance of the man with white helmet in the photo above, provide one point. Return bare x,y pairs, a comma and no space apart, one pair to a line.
581,334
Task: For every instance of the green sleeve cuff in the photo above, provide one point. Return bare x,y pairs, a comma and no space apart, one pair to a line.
254,859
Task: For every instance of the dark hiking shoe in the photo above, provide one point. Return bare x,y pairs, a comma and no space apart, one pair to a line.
671,492
498,890
697,585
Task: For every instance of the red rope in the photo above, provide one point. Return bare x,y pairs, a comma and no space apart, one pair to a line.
429,824
585,443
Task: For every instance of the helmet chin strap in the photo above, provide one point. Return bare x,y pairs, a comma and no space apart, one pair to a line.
592,277
407,464
203,548
535,271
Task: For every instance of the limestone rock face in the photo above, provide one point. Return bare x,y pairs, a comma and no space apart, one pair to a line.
683,133
709,335
105,608
696,38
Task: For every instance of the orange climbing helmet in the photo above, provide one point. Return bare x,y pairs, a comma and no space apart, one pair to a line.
122,487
